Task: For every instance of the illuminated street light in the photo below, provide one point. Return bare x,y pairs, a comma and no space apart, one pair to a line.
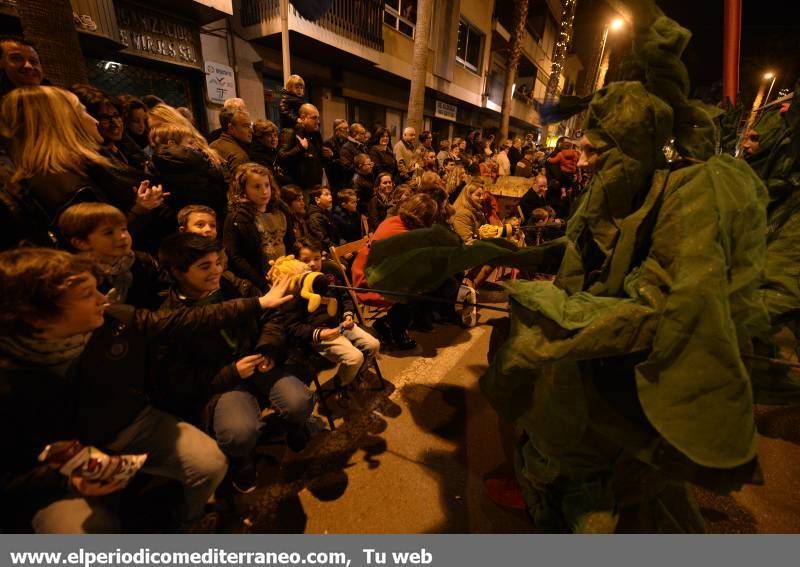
617,24
768,76
614,25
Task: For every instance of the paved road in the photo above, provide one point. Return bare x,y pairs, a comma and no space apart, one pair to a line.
412,458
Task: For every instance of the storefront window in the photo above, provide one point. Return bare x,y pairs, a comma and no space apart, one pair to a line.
401,15
468,50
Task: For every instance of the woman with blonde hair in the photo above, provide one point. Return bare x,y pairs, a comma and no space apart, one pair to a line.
56,150
165,114
190,172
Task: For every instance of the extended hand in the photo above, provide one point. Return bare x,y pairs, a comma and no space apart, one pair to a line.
246,366
276,296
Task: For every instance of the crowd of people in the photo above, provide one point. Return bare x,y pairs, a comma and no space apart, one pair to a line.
147,266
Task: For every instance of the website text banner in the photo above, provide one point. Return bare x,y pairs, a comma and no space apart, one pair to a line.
394,551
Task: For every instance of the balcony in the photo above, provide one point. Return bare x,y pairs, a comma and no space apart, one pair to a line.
359,21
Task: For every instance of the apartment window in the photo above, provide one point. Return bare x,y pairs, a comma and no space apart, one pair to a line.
468,50
401,15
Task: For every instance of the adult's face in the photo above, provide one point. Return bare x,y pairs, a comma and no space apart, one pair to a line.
110,123
88,121
310,120
21,64
386,184
341,130
81,310
362,136
137,121
589,155
409,134
384,140
751,143
270,139
241,128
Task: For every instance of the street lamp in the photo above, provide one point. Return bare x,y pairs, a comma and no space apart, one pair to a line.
614,25
767,77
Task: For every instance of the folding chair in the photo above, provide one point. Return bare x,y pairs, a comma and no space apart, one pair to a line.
337,253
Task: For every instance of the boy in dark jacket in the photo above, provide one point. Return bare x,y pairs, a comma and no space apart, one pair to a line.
320,218
100,232
216,379
330,329
72,367
346,217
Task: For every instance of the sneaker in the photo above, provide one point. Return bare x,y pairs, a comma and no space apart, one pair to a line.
244,478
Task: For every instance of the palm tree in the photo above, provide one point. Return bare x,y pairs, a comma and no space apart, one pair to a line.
416,100
514,52
48,24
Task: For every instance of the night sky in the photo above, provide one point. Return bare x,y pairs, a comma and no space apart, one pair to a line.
770,41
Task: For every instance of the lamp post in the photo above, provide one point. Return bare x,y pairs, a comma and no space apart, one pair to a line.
614,25
757,103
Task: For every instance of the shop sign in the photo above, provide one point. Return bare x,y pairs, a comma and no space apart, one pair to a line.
446,111
220,82
154,36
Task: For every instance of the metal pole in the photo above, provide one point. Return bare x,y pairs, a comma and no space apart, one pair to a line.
730,50
600,61
287,65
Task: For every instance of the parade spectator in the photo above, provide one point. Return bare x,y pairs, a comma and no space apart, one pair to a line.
233,103
256,229
320,218
346,216
20,65
291,100
502,159
355,145
134,114
292,197
301,150
61,384
380,151
444,152
514,155
525,167
337,176
234,141
363,181
198,219
426,141
380,202
264,148
534,198
404,151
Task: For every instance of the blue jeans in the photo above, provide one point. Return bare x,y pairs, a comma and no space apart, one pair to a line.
237,417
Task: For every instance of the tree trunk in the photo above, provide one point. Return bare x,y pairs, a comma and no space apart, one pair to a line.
416,100
48,24
514,52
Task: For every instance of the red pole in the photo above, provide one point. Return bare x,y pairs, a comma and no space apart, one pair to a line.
730,54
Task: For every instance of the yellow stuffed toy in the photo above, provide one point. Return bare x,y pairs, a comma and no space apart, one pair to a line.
303,282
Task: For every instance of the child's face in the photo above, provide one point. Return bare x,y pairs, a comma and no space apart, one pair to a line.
203,224
297,89
298,207
188,142
81,309
202,277
311,258
350,205
111,240
449,167
325,200
257,190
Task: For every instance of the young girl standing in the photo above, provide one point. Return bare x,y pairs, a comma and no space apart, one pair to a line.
256,228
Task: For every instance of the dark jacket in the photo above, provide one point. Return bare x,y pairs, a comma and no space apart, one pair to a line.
24,220
365,188
384,161
321,226
133,153
103,391
350,149
193,372
531,200
242,244
147,287
514,155
289,107
268,157
347,224
302,327
190,178
338,177
232,152
376,211
303,166
524,168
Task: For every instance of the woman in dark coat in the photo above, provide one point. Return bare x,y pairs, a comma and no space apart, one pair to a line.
380,151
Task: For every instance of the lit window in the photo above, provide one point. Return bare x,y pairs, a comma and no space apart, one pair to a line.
468,50
401,15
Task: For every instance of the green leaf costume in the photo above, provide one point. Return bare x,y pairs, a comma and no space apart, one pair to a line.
625,374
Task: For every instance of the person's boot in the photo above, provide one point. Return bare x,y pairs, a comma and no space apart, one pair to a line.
402,341
384,331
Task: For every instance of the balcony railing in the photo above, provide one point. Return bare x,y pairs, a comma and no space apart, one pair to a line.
360,21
